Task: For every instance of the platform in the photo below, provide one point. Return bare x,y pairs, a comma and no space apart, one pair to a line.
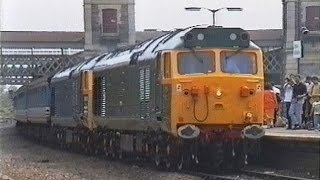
295,135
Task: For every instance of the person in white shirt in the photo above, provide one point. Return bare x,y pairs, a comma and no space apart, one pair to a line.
287,98
309,84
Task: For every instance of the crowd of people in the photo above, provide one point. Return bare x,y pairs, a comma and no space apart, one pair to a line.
299,102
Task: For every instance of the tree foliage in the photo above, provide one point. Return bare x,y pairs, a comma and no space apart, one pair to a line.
6,104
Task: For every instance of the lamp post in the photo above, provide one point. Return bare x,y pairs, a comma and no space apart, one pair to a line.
213,11
302,33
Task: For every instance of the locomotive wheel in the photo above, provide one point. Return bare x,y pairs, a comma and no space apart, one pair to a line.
168,159
105,147
111,149
86,145
96,151
240,158
157,158
106,153
168,164
184,162
181,162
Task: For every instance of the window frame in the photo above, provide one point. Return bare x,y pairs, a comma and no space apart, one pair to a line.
252,54
211,54
104,28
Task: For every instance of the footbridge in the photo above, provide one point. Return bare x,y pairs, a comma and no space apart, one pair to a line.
27,55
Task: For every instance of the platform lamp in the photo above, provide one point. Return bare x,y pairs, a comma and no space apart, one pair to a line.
213,11
302,33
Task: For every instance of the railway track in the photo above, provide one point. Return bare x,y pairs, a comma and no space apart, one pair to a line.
265,175
243,175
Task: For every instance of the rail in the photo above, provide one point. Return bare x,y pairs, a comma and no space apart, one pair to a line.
271,175
244,174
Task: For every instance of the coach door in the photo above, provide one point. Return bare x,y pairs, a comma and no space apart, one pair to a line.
87,93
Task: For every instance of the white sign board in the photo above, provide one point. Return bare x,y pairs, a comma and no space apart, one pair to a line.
297,50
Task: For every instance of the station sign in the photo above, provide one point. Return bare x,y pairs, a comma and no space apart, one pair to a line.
297,49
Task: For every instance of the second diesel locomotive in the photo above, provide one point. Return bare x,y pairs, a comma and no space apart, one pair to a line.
190,96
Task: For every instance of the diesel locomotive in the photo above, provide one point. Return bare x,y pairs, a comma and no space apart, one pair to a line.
191,96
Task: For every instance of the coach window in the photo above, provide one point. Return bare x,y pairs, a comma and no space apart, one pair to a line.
196,63
238,63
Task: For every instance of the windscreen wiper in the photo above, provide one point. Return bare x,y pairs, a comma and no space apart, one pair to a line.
235,53
195,55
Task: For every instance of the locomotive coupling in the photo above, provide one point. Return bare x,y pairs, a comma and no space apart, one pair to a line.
188,131
253,132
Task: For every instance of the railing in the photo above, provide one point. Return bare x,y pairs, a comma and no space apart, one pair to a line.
39,51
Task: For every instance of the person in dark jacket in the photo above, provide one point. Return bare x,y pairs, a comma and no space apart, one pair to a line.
298,95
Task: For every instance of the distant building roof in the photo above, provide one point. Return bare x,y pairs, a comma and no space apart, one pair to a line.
59,36
266,34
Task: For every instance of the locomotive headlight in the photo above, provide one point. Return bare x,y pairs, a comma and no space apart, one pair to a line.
249,115
219,93
233,36
200,37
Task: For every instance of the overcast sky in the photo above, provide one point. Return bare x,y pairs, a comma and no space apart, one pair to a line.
67,15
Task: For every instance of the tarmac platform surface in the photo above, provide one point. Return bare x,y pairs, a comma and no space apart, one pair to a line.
300,134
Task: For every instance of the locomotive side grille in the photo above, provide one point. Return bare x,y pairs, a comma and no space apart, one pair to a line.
103,96
53,97
76,98
142,89
145,90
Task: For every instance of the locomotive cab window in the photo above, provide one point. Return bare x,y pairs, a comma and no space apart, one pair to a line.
196,63
238,63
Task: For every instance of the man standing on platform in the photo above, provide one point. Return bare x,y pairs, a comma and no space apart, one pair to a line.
298,94
314,94
287,98
307,105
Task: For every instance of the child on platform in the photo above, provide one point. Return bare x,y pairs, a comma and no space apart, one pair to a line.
315,112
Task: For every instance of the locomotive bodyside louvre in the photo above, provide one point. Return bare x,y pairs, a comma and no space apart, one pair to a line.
77,99
131,97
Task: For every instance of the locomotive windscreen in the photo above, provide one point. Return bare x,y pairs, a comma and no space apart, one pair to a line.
216,37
